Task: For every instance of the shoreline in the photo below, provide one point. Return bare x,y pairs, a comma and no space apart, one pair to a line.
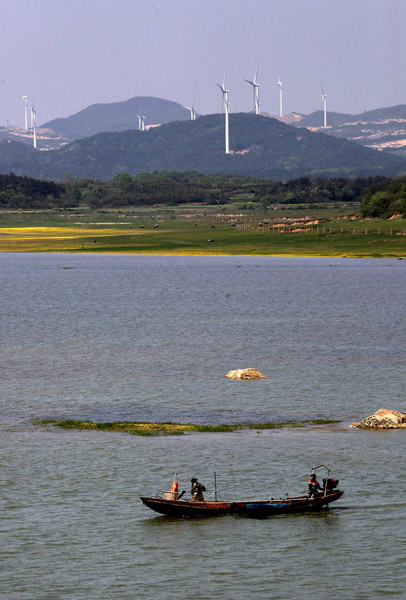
211,254
220,254
138,252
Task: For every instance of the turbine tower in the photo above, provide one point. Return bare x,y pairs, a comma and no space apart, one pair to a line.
33,124
25,100
324,100
225,93
280,97
192,112
141,122
255,87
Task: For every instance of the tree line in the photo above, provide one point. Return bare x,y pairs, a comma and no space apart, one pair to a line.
385,199
378,196
27,193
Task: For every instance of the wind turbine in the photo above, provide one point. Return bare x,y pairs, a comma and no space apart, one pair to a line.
225,93
25,100
324,100
192,112
141,122
33,124
255,87
280,97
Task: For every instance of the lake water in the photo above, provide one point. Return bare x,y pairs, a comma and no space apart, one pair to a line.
151,337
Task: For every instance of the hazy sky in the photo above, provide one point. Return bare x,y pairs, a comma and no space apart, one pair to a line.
68,54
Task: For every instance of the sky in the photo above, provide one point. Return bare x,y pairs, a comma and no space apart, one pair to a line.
68,54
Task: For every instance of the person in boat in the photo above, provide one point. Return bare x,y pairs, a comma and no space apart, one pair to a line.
197,489
314,486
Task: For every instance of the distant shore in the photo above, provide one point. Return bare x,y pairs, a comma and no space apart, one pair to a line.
212,235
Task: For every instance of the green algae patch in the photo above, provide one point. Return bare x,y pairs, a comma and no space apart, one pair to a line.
153,429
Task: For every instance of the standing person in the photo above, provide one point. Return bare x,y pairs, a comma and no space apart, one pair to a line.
314,485
197,489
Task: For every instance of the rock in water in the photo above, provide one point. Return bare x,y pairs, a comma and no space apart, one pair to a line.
383,419
245,374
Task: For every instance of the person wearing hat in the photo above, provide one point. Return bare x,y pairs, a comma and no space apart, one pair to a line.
314,485
197,489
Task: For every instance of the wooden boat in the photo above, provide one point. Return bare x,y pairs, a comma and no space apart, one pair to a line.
171,504
246,508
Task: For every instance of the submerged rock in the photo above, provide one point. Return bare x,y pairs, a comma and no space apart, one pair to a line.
245,374
383,419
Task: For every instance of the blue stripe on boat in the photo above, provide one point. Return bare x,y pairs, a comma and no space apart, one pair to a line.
261,506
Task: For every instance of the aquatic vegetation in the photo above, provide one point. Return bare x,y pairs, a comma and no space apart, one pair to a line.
150,429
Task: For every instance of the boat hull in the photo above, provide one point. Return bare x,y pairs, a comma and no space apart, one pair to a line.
254,508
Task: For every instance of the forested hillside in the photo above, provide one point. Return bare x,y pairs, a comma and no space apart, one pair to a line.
260,147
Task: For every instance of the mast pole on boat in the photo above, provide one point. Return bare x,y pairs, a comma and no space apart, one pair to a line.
327,478
215,486
328,469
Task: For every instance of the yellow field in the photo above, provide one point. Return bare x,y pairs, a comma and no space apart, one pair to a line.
191,238
56,239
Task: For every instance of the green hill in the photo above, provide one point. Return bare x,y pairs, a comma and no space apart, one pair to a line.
117,116
261,147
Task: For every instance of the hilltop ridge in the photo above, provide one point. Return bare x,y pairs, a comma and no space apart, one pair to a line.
117,116
379,129
261,147
98,118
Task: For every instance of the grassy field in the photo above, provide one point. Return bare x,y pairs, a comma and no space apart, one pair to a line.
202,230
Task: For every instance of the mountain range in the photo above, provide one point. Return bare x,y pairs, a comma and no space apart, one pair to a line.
379,129
97,118
117,116
261,147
